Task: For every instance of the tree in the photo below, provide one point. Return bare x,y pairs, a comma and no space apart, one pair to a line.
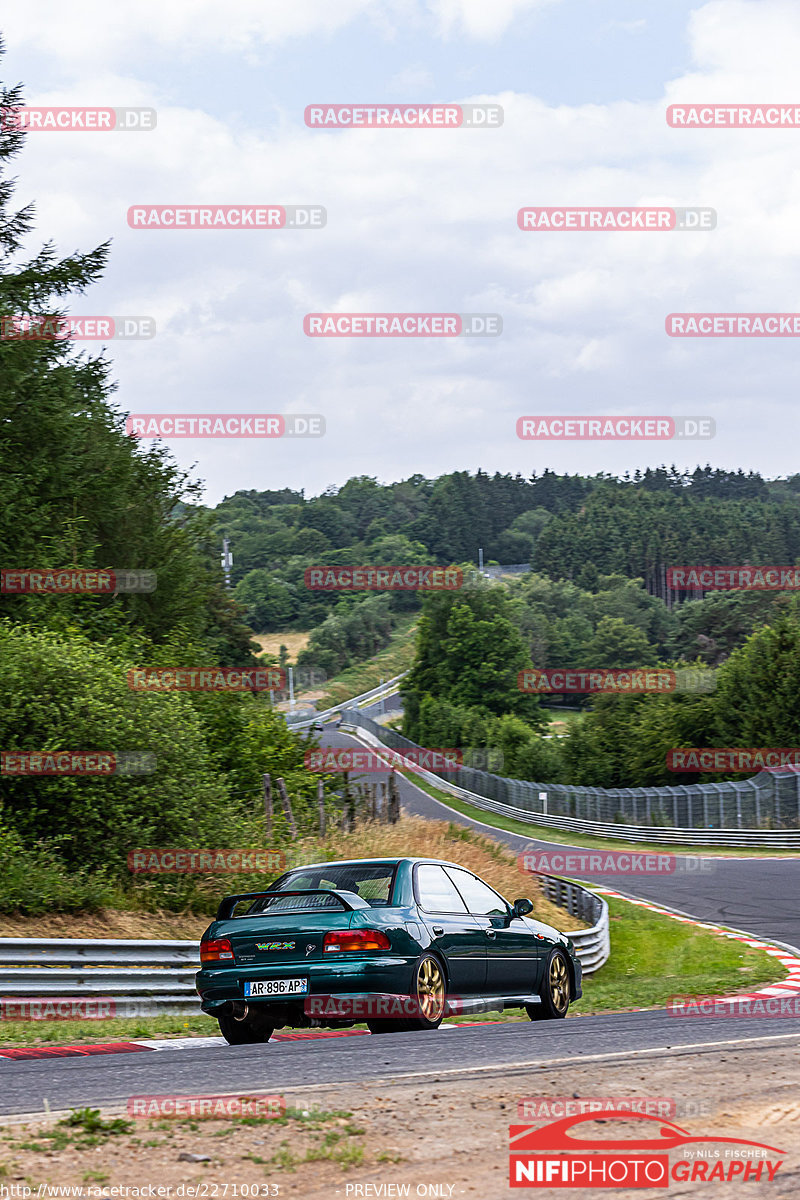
75,489
757,701
469,652
617,644
267,601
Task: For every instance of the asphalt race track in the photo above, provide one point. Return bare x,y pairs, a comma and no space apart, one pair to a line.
302,1065
755,895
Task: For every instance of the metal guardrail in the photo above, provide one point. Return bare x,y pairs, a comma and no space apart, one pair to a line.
592,945
387,688
134,978
764,797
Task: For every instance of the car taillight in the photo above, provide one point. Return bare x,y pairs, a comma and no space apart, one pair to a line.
216,950
355,939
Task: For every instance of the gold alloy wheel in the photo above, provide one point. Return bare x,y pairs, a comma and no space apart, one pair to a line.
559,983
430,989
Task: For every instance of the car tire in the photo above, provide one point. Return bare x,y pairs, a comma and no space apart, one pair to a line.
429,987
556,990
244,1031
385,1026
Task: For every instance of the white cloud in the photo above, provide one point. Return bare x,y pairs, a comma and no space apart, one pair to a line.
483,20
426,221
91,31
411,83
95,30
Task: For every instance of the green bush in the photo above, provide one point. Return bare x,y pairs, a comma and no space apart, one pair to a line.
59,692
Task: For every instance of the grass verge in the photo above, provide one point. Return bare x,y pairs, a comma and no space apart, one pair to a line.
654,957
363,677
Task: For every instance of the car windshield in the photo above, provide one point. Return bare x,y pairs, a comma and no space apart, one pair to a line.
371,881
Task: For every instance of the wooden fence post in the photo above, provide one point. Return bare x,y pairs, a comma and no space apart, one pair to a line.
287,807
393,804
267,782
349,804
321,806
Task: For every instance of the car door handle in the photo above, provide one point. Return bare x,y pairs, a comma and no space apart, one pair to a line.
491,933
438,930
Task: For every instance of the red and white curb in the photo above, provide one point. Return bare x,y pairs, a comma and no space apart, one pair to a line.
788,987
186,1043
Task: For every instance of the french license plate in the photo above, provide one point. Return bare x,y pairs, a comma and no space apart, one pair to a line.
275,987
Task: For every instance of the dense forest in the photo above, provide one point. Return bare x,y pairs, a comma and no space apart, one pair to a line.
595,596
463,691
569,527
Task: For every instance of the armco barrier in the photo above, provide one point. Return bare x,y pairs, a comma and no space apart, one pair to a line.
388,688
141,977
144,978
592,945
767,797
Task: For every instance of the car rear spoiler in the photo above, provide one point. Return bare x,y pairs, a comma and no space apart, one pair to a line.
350,901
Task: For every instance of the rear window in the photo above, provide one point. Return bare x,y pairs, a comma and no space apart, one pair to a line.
373,882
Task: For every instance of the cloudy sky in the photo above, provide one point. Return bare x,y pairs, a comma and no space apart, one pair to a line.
425,221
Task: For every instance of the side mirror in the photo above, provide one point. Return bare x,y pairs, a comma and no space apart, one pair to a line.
521,908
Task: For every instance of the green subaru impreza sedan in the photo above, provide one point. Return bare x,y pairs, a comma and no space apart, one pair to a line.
397,943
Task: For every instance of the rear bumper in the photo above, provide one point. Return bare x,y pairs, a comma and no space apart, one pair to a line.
217,987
